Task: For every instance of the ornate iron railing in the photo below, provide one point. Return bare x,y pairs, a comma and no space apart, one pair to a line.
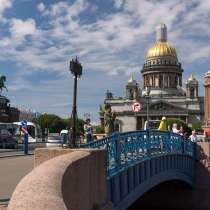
126,149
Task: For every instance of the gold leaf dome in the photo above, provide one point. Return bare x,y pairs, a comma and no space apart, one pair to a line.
191,78
160,49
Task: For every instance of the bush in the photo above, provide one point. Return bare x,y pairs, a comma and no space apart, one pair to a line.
197,126
99,129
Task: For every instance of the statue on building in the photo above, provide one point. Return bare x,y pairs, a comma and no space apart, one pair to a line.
109,119
2,85
109,95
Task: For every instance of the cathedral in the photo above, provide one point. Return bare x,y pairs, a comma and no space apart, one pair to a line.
162,92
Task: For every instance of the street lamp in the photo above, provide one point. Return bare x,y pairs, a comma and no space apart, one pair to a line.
76,69
147,96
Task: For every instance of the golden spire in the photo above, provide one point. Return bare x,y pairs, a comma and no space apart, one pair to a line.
191,77
131,79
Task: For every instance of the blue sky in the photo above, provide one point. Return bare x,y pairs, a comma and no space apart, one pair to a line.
110,37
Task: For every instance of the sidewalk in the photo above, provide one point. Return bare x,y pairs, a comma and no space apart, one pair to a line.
13,169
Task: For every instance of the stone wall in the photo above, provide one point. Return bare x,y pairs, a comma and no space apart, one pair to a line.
64,179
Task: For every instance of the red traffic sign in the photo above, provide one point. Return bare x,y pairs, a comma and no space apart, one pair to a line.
136,107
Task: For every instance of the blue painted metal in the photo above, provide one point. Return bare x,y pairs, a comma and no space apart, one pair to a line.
125,150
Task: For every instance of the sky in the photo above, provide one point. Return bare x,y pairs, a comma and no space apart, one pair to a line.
110,37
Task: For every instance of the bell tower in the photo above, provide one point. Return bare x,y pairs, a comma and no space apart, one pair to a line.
132,89
192,87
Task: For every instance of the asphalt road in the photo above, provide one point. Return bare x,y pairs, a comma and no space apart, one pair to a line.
12,170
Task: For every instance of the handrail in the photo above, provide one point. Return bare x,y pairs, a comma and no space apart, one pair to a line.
126,149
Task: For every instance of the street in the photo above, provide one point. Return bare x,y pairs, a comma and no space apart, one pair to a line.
12,170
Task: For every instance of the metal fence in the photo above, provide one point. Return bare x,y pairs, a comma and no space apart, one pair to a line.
126,149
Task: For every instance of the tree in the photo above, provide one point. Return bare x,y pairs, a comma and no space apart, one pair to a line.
55,124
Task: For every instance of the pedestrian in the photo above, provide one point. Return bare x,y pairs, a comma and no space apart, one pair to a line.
181,131
193,136
169,127
186,136
88,130
174,128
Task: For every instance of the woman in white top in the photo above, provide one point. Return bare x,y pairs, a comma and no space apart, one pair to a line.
193,137
174,128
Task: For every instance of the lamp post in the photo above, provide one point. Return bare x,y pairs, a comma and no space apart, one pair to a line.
147,96
76,69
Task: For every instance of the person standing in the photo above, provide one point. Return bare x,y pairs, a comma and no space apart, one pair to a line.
109,118
181,131
174,128
88,129
193,136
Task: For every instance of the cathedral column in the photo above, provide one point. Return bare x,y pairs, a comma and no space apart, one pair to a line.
180,80
153,84
142,122
168,80
163,80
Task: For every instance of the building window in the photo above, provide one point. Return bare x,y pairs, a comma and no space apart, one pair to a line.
161,81
192,90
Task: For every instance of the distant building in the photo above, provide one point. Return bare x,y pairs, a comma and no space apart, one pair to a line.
162,74
26,114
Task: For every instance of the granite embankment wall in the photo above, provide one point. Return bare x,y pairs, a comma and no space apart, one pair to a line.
63,179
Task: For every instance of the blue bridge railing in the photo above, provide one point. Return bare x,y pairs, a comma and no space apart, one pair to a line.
126,149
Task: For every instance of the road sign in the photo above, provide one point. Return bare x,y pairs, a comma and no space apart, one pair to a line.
136,107
24,126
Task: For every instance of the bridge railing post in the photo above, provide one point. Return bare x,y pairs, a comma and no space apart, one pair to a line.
168,142
183,145
117,149
148,142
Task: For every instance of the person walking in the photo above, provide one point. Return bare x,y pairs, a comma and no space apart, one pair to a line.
88,129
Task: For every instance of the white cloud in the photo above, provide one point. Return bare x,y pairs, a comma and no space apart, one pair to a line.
4,4
41,7
20,28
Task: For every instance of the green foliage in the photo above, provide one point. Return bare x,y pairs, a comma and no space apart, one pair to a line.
99,129
197,126
55,124
179,123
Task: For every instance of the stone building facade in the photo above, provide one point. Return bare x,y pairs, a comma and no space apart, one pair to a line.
207,99
162,75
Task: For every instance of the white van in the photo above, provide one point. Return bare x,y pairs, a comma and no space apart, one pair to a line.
64,135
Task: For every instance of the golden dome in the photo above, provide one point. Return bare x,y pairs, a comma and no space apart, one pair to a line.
161,48
191,78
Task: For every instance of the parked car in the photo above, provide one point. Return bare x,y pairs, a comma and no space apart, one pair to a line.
7,140
53,140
